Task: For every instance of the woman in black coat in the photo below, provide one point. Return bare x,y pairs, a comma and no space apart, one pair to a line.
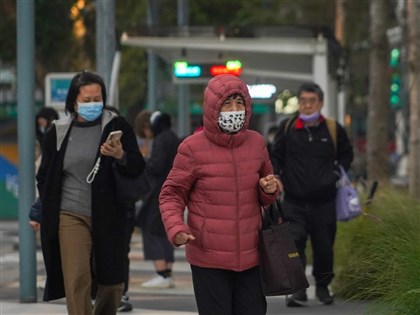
156,246
83,224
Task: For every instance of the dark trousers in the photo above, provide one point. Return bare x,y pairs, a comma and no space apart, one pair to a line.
156,246
129,228
317,221
226,292
129,231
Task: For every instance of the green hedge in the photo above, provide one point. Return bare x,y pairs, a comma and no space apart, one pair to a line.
379,260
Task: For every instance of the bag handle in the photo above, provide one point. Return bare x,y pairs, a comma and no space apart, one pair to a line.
332,129
343,179
275,216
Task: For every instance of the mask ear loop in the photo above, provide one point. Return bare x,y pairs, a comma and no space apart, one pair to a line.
92,174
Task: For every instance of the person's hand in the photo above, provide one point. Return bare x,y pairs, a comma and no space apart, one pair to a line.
35,225
113,149
183,238
269,184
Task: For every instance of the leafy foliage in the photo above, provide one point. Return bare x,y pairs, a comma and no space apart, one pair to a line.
54,45
57,50
133,69
132,80
8,31
380,261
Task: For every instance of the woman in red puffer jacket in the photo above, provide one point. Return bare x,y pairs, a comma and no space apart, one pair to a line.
221,175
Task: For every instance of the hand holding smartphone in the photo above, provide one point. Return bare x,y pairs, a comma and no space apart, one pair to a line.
110,147
113,136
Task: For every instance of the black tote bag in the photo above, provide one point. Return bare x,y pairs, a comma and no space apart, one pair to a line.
280,265
130,189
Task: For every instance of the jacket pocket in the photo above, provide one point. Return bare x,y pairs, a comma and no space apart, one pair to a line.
202,233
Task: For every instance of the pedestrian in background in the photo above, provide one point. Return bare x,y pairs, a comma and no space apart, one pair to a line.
269,138
129,208
83,225
144,137
144,132
43,122
306,159
221,175
156,246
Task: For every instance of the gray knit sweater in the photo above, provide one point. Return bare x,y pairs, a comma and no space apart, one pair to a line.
79,160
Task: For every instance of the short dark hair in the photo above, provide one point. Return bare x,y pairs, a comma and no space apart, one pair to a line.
142,122
161,122
311,87
234,96
48,113
81,79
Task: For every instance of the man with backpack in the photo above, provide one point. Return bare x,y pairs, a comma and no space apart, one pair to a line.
305,154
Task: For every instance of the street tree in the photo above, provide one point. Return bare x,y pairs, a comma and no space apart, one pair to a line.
56,47
413,24
378,110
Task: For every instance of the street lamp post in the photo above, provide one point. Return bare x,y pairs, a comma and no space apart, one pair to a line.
26,146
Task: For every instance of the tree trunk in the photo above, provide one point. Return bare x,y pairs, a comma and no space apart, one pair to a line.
340,21
378,111
413,24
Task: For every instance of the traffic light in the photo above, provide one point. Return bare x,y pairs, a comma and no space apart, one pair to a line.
183,70
395,90
395,97
231,67
395,58
202,72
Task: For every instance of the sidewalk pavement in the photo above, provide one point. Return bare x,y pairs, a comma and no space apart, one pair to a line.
140,271
176,301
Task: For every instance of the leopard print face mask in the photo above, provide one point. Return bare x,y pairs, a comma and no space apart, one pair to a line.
231,122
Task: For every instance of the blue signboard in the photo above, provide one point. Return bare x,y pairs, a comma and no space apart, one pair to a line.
59,89
9,189
56,88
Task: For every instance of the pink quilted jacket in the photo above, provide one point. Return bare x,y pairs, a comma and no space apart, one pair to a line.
215,176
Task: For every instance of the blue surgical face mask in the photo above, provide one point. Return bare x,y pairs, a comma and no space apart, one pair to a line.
90,111
309,118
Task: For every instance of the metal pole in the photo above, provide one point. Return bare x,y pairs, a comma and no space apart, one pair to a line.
152,18
182,111
113,90
151,80
26,146
320,74
105,39
184,119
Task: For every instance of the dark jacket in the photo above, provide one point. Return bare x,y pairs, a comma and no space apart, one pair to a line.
306,160
35,211
164,147
108,216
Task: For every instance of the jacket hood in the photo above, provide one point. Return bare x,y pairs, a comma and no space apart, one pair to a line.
62,126
159,122
218,90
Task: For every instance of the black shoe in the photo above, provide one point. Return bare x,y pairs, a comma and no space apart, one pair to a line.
323,294
297,299
125,306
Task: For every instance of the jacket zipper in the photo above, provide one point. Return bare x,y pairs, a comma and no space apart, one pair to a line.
310,138
238,243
